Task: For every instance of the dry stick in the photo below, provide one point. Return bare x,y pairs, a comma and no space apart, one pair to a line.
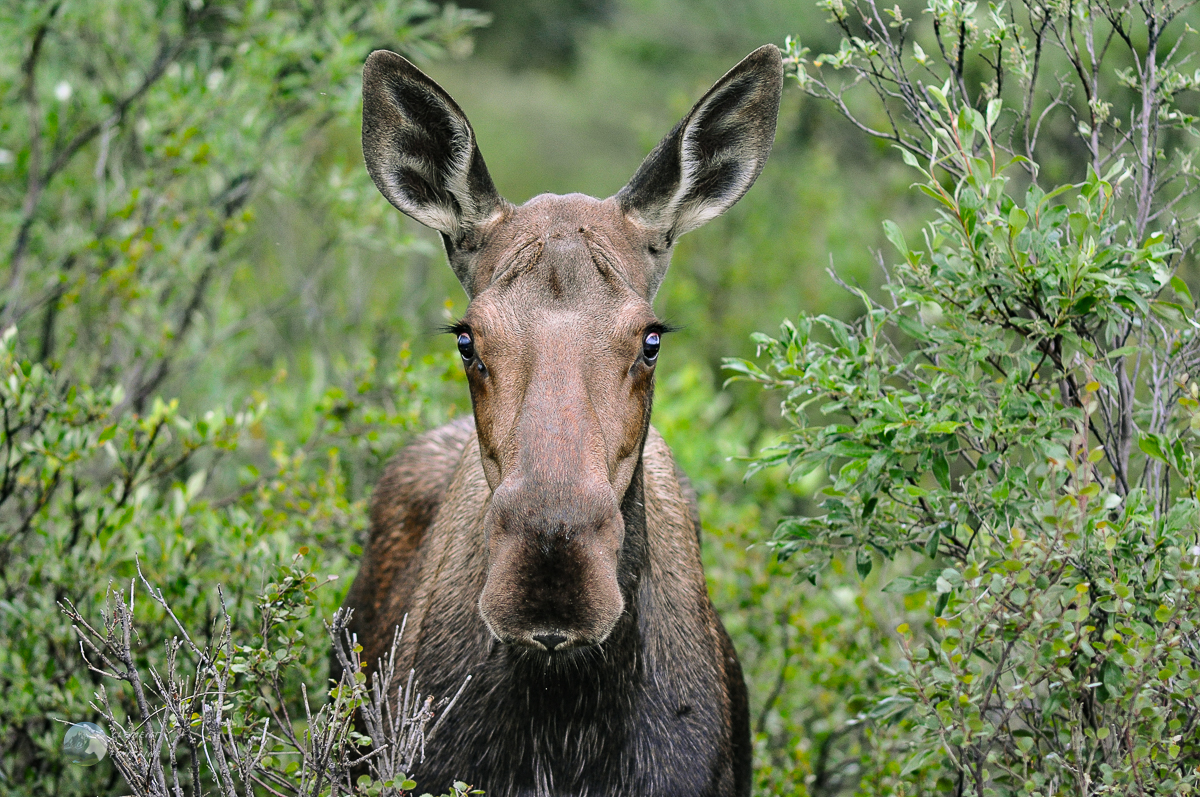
892,62
122,744
408,691
125,618
137,751
174,772
313,733
247,761
1148,121
182,715
389,723
146,771
160,599
449,706
284,721
166,692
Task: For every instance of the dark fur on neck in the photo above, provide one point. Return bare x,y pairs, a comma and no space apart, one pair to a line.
552,723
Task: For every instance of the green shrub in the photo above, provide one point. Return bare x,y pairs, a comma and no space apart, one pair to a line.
1013,427
88,492
214,717
140,142
143,142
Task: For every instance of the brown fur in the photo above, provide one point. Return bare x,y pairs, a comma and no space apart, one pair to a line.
549,549
698,680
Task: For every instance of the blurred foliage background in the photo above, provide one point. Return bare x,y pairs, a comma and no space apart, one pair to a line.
186,224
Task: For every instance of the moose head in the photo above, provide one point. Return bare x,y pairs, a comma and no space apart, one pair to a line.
560,339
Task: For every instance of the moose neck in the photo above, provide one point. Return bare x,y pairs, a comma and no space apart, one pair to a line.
635,551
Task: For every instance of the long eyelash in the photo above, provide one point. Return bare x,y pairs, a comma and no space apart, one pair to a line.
457,328
662,328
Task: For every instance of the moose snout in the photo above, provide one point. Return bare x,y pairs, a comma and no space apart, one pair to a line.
550,641
552,580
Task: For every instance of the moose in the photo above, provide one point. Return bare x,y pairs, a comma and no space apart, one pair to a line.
548,546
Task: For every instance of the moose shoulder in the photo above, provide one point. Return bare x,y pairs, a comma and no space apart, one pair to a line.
548,546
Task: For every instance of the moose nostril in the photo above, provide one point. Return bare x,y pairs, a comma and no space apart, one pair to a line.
549,641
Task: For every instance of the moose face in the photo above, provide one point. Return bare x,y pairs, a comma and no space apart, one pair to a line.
560,340
559,351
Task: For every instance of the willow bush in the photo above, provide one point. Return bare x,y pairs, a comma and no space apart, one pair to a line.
92,496
139,142
1012,426
142,139
213,717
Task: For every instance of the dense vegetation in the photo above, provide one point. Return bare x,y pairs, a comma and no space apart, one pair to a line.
145,139
1013,423
217,333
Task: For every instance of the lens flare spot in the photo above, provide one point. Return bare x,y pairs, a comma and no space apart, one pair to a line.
85,744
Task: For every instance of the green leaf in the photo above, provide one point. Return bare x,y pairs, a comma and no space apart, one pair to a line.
1181,288
1062,189
1056,700
1083,305
993,112
941,470
952,577
939,94
1017,220
1124,351
1105,376
195,484
1132,300
919,761
931,545
745,370
937,195
869,507
1151,444
1112,675
851,450
890,707
905,585
892,231
863,563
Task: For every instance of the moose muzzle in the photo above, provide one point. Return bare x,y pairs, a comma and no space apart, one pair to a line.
552,571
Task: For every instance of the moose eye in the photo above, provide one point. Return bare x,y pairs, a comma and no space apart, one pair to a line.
466,346
650,346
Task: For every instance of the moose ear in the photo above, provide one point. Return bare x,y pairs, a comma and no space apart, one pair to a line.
420,149
714,154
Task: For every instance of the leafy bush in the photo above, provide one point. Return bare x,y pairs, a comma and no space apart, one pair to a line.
142,139
140,142
88,491
1013,428
230,704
